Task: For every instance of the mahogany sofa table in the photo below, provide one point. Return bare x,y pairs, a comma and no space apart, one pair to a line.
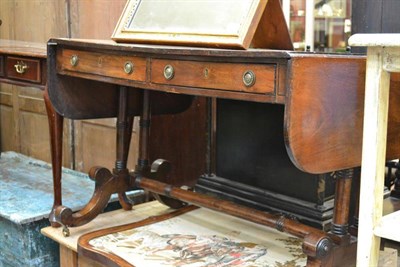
323,108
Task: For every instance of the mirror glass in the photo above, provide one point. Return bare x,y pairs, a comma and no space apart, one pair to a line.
200,17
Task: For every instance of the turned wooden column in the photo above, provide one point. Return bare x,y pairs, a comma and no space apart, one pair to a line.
124,134
356,199
340,222
124,130
144,134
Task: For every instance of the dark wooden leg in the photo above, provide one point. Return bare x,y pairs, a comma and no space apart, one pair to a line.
356,185
340,221
56,138
124,134
344,254
143,165
106,183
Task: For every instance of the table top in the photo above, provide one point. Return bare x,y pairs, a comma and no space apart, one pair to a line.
168,50
322,93
375,39
23,48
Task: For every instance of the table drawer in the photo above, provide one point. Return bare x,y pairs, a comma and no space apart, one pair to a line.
1,66
22,68
116,66
253,78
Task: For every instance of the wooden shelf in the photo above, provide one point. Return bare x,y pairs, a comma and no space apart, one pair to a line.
388,226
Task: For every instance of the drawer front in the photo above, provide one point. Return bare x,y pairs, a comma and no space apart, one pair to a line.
1,66
21,68
252,78
116,66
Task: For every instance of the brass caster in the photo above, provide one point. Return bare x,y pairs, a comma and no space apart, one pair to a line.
65,231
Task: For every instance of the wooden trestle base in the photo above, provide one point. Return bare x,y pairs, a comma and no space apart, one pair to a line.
322,249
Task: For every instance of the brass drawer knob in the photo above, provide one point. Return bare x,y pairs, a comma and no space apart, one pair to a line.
21,67
249,78
128,67
74,60
169,72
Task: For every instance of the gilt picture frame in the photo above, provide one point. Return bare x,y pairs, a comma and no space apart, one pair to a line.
206,23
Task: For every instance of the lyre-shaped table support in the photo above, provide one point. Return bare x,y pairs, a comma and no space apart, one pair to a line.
106,183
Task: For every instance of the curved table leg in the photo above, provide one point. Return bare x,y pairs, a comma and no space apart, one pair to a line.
106,184
56,139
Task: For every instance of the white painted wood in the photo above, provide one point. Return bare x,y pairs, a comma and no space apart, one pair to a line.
378,39
388,226
388,257
392,59
382,58
309,35
286,11
373,157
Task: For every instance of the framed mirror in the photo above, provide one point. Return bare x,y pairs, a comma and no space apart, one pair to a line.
206,23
